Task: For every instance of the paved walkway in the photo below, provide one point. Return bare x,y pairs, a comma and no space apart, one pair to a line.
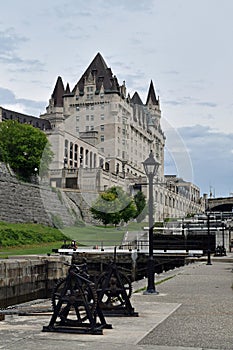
193,310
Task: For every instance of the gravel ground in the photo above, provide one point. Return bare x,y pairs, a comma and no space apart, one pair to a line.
205,318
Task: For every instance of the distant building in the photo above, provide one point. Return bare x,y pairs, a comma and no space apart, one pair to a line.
6,114
99,112
100,136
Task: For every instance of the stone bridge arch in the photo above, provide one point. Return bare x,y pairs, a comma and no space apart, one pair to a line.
220,204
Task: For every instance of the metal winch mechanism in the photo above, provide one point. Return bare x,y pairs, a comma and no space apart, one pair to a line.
114,289
75,304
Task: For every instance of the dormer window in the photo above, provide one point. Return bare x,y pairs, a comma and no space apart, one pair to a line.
90,89
90,96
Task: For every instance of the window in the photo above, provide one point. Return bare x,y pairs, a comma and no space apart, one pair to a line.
90,96
101,127
75,152
71,153
92,117
87,128
66,149
102,138
92,127
87,117
77,108
102,117
77,119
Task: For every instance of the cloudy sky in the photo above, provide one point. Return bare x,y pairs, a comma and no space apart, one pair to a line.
184,46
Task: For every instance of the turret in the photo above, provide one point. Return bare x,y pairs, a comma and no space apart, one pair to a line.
58,93
54,111
152,102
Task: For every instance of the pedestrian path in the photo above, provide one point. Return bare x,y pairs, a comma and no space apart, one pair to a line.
193,310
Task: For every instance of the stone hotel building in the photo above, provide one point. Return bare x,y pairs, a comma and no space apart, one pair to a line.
100,136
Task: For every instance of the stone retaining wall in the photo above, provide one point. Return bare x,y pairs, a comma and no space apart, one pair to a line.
28,278
24,202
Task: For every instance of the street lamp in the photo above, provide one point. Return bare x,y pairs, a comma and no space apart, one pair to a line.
223,239
208,233
151,167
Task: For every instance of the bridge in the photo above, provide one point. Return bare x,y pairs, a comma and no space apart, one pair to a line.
220,204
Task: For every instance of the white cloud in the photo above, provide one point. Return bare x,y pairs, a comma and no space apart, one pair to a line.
184,50
211,157
9,101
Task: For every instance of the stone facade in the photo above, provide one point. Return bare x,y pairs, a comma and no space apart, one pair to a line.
25,279
23,202
6,114
100,137
98,124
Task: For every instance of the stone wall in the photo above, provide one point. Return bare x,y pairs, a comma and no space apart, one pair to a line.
24,202
28,278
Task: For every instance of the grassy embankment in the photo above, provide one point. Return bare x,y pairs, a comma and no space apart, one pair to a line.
20,239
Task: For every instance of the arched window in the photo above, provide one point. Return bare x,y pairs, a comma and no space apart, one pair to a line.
75,156
81,156
94,160
71,153
91,160
86,156
107,166
101,162
66,153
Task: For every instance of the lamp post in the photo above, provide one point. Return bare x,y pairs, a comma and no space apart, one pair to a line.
151,168
223,238
208,233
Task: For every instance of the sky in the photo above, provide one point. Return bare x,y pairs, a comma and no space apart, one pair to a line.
183,46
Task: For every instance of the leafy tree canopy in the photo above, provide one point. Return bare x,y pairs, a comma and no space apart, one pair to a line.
113,206
24,148
142,208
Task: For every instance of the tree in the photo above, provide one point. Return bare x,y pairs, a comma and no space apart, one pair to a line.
113,206
140,201
24,148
